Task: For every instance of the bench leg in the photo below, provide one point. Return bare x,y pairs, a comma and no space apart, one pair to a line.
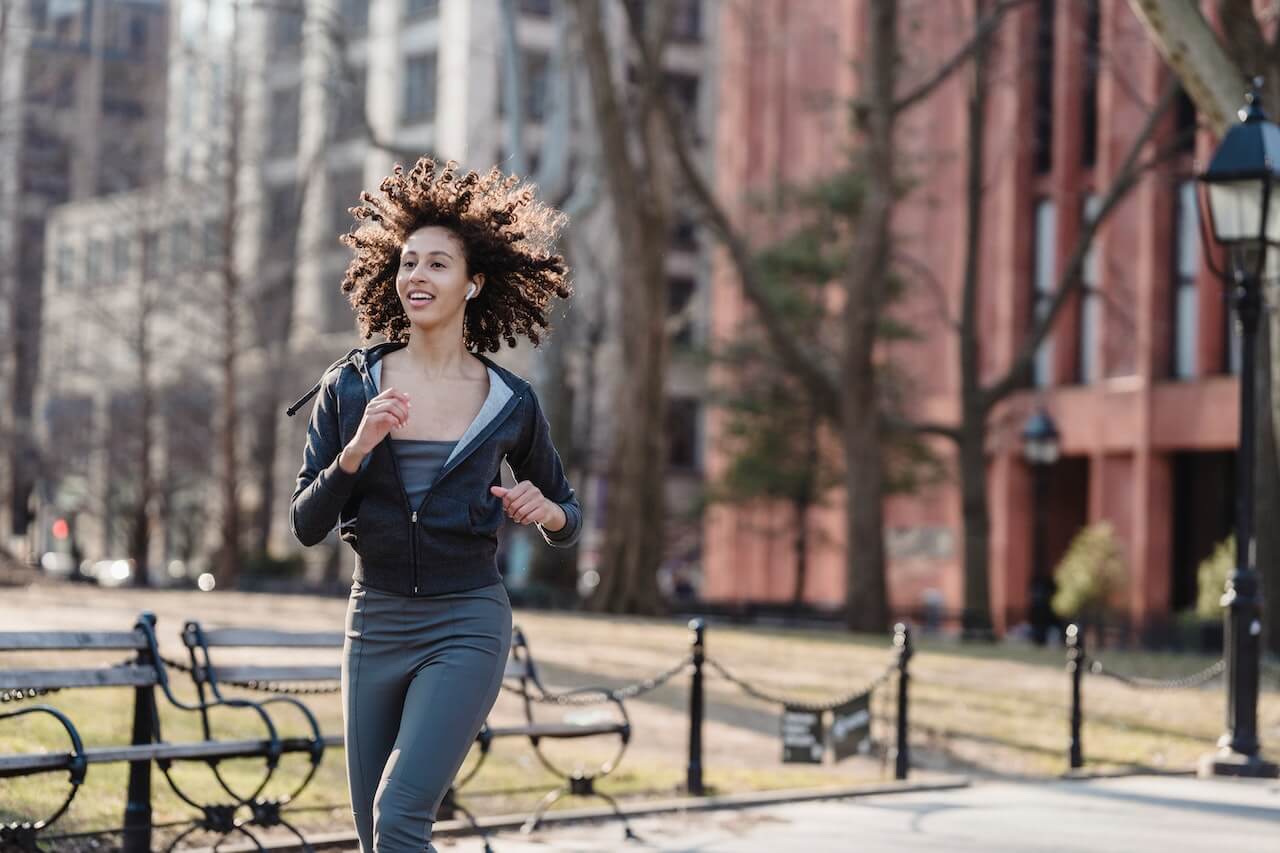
545,803
627,833
454,805
137,811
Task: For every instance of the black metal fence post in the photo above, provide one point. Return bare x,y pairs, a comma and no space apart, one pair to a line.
694,782
137,811
1076,664
902,641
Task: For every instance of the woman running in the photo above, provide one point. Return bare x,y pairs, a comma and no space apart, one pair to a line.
403,454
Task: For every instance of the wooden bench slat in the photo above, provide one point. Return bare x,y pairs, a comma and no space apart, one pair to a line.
18,641
285,639
11,765
128,675
277,673
557,730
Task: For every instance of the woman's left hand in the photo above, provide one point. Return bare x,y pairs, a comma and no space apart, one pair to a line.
526,504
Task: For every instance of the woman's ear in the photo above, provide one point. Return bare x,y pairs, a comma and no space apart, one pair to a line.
477,282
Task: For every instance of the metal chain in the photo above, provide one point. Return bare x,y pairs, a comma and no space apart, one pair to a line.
594,696
829,705
278,687
23,693
1195,679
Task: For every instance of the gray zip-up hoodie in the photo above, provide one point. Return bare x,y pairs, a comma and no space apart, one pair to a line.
449,542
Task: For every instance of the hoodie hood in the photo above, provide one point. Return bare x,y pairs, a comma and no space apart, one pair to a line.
363,359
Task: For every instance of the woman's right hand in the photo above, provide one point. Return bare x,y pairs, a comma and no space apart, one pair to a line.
385,412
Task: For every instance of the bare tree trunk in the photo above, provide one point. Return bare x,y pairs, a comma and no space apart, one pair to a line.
804,500
1196,56
557,568
866,287
635,504
228,571
972,444
140,532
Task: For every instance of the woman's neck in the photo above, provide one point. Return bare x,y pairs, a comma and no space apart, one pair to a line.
438,356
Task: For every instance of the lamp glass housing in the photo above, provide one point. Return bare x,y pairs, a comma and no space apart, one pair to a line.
1235,209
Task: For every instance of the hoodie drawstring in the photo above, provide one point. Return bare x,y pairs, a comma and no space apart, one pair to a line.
293,410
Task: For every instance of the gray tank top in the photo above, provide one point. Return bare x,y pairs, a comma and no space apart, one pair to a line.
420,460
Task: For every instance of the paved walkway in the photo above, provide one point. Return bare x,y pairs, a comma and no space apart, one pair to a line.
1140,814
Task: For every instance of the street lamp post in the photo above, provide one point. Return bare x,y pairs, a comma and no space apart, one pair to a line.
1040,448
1242,186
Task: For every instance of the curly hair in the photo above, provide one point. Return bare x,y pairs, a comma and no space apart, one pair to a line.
506,234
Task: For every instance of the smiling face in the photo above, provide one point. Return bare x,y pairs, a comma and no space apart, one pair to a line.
432,280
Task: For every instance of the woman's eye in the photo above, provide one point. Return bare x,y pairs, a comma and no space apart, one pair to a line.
406,265
437,265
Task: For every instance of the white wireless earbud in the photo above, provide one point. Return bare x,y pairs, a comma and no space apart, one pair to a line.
471,290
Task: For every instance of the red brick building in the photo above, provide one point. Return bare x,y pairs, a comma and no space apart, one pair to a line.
1137,373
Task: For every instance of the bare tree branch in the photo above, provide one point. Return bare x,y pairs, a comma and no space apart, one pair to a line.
1072,277
805,363
984,30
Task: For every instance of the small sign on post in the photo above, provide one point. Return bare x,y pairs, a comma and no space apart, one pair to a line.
851,727
801,736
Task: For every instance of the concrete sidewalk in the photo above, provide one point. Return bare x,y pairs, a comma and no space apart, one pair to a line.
1140,814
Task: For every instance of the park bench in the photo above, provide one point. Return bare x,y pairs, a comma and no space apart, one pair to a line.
520,677
144,672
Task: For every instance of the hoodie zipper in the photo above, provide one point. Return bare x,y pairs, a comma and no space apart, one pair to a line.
413,514
366,381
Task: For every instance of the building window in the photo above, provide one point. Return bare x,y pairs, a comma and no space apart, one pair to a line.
1092,62
119,257
535,66
65,269
1043,107
355,16
344,190
1042,286
281,226
683,89
93,253
1187,120
150,256
1090,302
421,8
541,8
213,240
1186,247
286,28
419,89
684,233
686,21
680,293
350,119
137,35
282,137
682,434
180,245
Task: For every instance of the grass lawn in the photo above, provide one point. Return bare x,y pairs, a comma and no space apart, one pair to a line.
997,710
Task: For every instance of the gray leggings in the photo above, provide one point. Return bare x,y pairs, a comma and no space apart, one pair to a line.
419,676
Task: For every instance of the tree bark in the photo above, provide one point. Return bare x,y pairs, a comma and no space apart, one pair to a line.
635,505
976,620
1193,51
228,563
866,287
